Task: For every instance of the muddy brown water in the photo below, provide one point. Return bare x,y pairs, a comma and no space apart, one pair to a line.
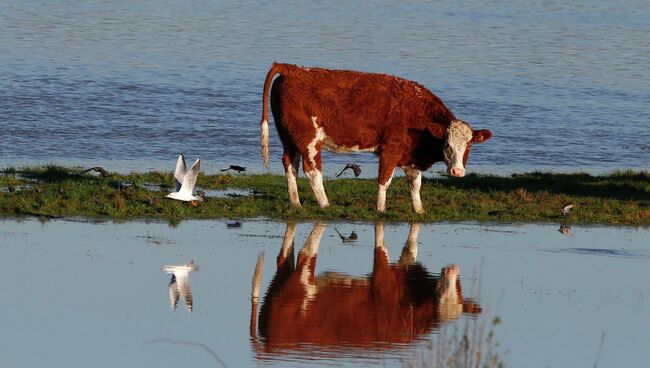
148,294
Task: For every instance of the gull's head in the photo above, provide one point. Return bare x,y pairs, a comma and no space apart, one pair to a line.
173,195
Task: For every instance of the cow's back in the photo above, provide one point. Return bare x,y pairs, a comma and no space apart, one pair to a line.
353,108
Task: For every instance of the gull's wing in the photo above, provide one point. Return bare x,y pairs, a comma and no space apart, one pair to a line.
186,293
190,178
174,293
180,172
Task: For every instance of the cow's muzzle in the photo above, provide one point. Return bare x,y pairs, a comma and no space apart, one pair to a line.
457,172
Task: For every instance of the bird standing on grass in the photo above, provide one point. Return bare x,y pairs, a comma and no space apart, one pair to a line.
235,168
185,181
103,173
356,168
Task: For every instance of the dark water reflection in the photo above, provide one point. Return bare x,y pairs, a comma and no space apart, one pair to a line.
305,313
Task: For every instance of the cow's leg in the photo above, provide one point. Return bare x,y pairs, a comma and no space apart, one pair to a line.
414,177
291,161
285,258
410,251
386,170
307,264
312,164
379,238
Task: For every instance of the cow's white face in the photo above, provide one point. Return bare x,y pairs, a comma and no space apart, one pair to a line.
457,143
457,140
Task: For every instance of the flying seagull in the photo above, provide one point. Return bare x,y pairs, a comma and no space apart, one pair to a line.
236,168
356,168
185,181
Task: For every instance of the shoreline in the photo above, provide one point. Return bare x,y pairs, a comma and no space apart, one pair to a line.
618,198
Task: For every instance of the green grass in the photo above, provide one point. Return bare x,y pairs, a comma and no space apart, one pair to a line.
621,198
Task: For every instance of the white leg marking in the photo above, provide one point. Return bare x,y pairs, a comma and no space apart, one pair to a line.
311,147
379,238
309,251
414,178
287,241
316,181
381,194
292,174
410,251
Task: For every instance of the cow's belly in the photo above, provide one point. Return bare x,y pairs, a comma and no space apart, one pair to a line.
330,145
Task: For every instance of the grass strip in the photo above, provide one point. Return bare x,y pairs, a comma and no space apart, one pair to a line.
619,198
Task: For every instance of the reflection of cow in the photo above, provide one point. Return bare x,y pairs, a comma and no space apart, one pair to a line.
396,303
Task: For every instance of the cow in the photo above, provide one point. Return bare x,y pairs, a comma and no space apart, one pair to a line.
396,304
402,122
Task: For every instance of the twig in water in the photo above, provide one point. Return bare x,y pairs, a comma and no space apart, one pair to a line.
600,349
191,343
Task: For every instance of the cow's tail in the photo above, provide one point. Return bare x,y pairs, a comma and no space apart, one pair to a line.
264,128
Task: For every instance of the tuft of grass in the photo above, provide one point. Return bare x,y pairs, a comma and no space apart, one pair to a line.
620,198
470,345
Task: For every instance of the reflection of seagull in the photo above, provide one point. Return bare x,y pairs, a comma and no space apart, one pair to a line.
354,167
236,168
179,285
185,181
347,239
565,230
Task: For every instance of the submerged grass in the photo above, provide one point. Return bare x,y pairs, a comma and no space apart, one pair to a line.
621,198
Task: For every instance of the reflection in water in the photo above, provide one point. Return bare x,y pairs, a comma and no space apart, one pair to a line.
179,285
395,304
565,230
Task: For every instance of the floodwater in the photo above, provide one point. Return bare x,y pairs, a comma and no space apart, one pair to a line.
129,85
149,294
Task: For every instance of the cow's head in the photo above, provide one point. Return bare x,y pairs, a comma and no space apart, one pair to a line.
457,142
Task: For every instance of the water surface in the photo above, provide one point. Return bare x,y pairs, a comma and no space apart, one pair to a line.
562,85
147,294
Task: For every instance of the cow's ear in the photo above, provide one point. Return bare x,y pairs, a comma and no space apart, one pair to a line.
480,136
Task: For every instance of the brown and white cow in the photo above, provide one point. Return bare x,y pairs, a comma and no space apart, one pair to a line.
402,122
396,304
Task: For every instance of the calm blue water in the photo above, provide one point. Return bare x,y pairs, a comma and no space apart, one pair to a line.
79,294
129,85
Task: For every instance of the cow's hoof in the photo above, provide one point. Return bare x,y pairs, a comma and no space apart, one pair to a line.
419,211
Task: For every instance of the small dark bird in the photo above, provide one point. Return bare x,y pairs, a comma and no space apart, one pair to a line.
232,225
236,168
11,188
356,168
565,230
566,210
347,239
103,173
